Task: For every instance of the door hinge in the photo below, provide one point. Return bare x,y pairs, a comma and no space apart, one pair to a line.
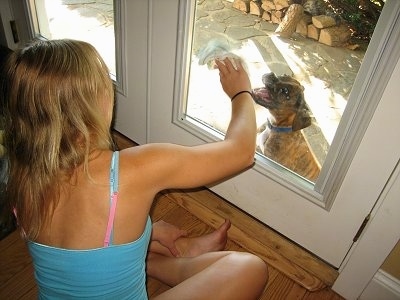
361,229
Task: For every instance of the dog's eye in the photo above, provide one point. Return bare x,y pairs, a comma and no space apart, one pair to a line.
285,91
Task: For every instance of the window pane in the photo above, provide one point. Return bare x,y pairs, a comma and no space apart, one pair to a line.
90,21
297,114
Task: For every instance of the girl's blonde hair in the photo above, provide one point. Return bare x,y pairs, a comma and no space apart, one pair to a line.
58,106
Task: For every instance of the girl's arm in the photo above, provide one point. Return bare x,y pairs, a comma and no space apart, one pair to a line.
174,166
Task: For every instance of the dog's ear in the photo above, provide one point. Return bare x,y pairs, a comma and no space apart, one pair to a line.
303,118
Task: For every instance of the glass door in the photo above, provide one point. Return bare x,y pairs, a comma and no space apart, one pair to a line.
302,80
190,108
297,114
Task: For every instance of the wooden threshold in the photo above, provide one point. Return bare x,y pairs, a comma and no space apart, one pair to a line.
285,256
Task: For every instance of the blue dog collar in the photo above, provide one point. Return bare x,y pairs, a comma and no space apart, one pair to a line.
279,129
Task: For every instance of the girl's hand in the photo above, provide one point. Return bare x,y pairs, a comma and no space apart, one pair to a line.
233,80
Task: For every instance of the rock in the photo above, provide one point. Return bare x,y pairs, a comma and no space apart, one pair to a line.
275,18
256,9
242,5
335,36
323,21
301,27
281,4
313,32
268,5
266,16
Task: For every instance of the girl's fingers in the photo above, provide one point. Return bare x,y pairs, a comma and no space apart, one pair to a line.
226,66
222,67
229,65
233,64
238,64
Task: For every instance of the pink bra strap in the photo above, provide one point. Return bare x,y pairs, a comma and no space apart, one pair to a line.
110,225
113,197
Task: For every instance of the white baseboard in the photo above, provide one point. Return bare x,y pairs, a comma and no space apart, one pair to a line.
382,287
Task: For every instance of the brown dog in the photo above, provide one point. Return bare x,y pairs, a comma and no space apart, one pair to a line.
282,140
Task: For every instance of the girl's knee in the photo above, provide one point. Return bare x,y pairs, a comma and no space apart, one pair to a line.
257,265
252,265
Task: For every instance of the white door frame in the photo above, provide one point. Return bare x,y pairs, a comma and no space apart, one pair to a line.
382,231
380,236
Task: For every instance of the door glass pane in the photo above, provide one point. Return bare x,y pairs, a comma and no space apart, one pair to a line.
90,21
302,59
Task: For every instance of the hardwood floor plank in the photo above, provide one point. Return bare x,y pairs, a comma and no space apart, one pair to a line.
272,274
14,257
280,288
296,292
31,294
188,222
21,285
161,206
8,241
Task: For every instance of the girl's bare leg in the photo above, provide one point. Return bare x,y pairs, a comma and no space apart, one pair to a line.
214,275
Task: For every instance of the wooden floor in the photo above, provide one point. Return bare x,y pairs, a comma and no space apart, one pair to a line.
293,273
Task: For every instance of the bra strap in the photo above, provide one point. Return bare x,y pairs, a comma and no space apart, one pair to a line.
113,197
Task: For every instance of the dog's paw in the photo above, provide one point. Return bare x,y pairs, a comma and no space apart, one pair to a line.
261,140
262,128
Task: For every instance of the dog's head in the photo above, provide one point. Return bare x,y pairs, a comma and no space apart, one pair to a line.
284,98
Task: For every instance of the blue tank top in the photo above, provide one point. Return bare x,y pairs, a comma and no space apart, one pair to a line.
111,272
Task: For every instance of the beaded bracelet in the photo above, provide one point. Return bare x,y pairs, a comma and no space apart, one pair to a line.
241,92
